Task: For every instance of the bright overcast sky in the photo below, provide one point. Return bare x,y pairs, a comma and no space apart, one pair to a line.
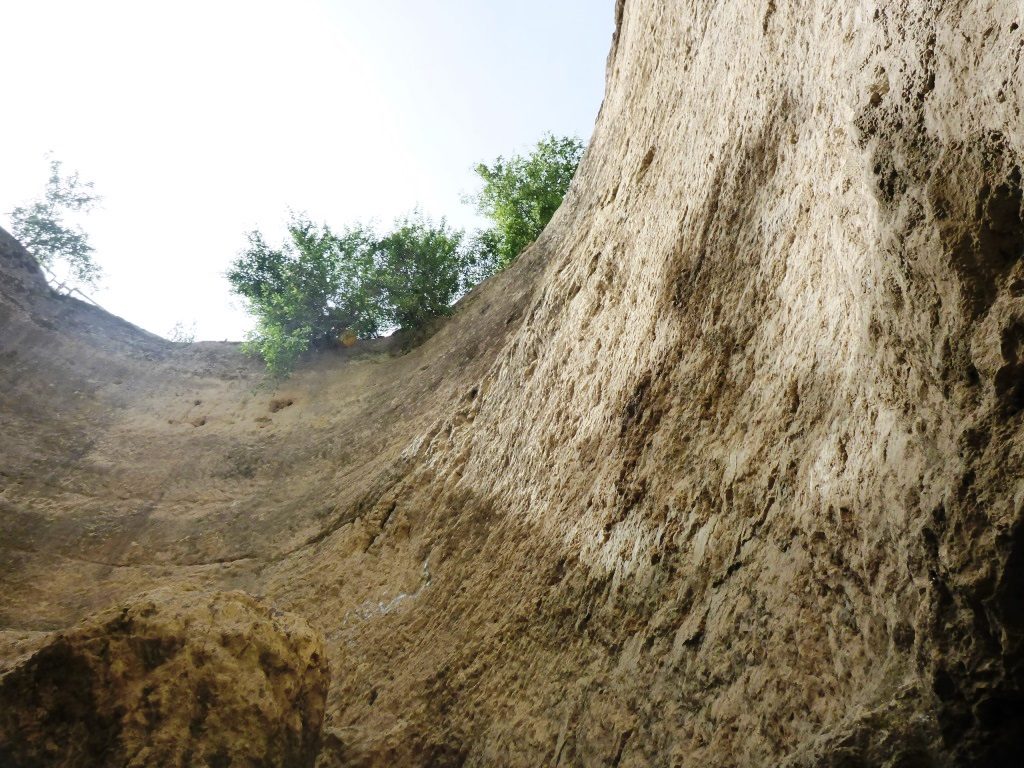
199,121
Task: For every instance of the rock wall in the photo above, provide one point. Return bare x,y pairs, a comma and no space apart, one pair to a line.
171,679
726,470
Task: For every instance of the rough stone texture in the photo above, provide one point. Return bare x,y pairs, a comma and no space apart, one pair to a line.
726,470
169,679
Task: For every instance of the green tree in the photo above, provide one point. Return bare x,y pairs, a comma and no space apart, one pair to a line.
41,226
521,194
321,287
421,269
307,292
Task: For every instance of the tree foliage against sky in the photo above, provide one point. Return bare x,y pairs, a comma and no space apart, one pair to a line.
42,226
521,194
421,270
321,288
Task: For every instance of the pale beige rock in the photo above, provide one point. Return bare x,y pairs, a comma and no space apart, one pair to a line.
727,470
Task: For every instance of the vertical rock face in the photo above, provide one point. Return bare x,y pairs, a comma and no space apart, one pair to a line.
172,680
762,418
726,470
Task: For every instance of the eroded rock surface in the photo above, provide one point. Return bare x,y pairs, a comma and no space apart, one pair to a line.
725,470
170,679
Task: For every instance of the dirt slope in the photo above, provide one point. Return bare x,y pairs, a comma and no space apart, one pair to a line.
726,470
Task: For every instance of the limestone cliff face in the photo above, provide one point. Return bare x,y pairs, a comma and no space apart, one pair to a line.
726,470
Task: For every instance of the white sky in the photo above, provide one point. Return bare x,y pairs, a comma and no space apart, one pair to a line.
199,121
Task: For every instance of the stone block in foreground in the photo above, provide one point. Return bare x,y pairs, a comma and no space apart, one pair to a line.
169,679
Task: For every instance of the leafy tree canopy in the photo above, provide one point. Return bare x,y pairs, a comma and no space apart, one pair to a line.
421,269
521,194
323,288
41,226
